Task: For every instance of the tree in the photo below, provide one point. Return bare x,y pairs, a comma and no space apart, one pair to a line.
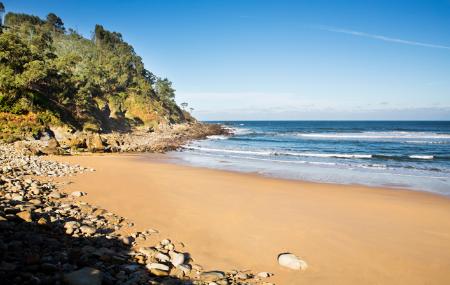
55,22
184,105
164,90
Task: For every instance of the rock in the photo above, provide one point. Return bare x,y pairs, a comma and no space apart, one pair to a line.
263,274
52,147
17,197
71,225
94,143
165,242
242,276
84,276
162,257
176,258
159,266
127,240
291,261
185,268
42,221
25,215
148,251
159,272
212,275
87,230
78,194
55,195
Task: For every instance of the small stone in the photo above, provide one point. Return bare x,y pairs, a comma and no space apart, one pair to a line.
242,276
212,275
17,197
162,257
148,251
72,225
159,266
263,274
185,268
42,221
291,261
78,194
55,195
165,242
159,272
87,230
25,215
127,240
84,276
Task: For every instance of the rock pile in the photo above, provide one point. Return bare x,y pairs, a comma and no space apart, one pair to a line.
48,237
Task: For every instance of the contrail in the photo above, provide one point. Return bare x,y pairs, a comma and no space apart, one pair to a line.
381,38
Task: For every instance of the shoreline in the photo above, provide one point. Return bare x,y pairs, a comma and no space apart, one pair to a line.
175,160
412,227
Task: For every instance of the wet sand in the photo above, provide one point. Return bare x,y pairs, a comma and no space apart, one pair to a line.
346,234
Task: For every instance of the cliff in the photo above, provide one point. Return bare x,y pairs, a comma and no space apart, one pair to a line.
52,77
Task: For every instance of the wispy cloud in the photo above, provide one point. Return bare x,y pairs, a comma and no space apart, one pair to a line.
381,38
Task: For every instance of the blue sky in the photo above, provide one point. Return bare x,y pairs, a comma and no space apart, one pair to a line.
284,59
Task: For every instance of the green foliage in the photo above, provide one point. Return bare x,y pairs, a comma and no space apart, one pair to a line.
99,84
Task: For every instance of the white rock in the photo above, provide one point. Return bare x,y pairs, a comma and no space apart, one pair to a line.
176,258
159,266
263,274
291,261
165,242
78,194
71,224
87,230
162,257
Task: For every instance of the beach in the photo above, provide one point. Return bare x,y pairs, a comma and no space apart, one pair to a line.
347,234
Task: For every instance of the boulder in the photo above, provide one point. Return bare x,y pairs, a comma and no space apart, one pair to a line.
52,147
95,143
291,261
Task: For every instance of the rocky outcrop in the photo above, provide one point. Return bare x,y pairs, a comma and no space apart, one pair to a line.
165,138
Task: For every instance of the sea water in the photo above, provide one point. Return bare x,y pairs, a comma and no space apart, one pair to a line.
397,154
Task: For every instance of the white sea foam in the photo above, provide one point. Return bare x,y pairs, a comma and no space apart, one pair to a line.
336,155
241,131
421,156
217,137
376,135
266,153
269,153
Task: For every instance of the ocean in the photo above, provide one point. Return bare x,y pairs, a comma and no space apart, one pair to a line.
396,154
